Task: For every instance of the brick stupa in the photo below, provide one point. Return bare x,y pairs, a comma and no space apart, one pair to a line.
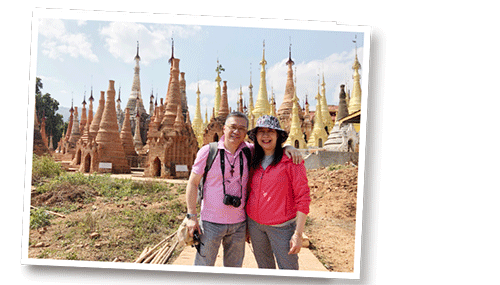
110,149
126,137
285,110
171,141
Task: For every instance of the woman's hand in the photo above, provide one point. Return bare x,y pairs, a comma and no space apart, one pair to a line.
295,243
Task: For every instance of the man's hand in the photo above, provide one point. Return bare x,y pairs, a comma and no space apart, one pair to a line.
294,154
192,225
191,196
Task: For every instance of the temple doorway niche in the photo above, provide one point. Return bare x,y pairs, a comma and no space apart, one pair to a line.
156,171
320,142
350,147
79,157
296,143
86,163
216,137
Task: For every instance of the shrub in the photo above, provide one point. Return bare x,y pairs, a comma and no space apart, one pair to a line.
44,167
39,218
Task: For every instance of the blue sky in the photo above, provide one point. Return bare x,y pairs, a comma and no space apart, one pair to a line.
75,54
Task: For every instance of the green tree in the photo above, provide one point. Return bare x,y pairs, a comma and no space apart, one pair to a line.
46,107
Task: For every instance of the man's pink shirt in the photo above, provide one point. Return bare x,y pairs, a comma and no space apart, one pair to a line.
212,208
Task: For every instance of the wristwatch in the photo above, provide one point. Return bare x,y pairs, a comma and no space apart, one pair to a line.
189,216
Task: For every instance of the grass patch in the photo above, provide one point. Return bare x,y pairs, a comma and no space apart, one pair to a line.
39,218
106,186
333,167
128,216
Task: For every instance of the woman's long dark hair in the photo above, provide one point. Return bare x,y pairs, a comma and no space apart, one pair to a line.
258,154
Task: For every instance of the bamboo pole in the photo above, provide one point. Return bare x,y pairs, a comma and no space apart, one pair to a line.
156,252
169,253
160,253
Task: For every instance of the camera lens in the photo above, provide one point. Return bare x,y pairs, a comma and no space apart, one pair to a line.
227,200
236,202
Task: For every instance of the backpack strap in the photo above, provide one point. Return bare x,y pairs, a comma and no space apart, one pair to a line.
212,153
248,155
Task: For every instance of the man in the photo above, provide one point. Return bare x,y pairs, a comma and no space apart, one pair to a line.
221,220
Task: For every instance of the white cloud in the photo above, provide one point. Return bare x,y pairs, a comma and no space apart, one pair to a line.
154,41
59,42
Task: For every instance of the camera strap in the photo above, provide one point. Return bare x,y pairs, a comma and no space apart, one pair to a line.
223,168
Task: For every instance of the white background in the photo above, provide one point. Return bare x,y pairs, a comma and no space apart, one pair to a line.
431,197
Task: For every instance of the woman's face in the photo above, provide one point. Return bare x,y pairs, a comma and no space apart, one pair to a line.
267,139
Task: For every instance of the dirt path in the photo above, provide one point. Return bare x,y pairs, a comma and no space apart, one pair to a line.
307,260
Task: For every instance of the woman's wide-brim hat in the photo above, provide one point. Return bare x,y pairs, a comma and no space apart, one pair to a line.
267,121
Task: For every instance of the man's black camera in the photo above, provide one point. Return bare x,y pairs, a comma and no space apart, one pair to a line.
232,200
196,237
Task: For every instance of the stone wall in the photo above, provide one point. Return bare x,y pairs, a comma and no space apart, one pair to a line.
325,158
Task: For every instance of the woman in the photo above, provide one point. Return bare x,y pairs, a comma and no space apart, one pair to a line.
278,201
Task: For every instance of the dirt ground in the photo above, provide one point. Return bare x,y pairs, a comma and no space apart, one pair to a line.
330,225
331,221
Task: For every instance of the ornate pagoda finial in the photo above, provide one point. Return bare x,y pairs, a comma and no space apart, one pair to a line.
170,60
137,57
290,61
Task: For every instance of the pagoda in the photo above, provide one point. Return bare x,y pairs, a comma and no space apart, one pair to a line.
251,117
307,124
218,79
342,137
355,99
262,104
39,147
109,147
318,135
120,116
171,142
295,136
327,119
285,109
135,99
126,138
83,120
197,120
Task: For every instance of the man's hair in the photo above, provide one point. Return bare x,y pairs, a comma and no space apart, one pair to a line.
237,114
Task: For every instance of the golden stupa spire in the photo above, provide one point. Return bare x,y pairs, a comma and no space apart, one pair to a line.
262,105
272,104
205,123
295,137
318,134
251,117
197,120
355,98
219,69
327,119
240,100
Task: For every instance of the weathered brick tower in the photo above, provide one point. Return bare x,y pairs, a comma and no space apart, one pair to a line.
171,140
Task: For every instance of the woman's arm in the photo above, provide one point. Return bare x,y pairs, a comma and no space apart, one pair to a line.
296,240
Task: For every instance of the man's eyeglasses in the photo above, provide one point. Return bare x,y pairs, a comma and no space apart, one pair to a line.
233,128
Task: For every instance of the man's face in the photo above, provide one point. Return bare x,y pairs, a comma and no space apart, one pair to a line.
235,130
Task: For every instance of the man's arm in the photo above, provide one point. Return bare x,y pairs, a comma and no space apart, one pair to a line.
191,197
294,153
